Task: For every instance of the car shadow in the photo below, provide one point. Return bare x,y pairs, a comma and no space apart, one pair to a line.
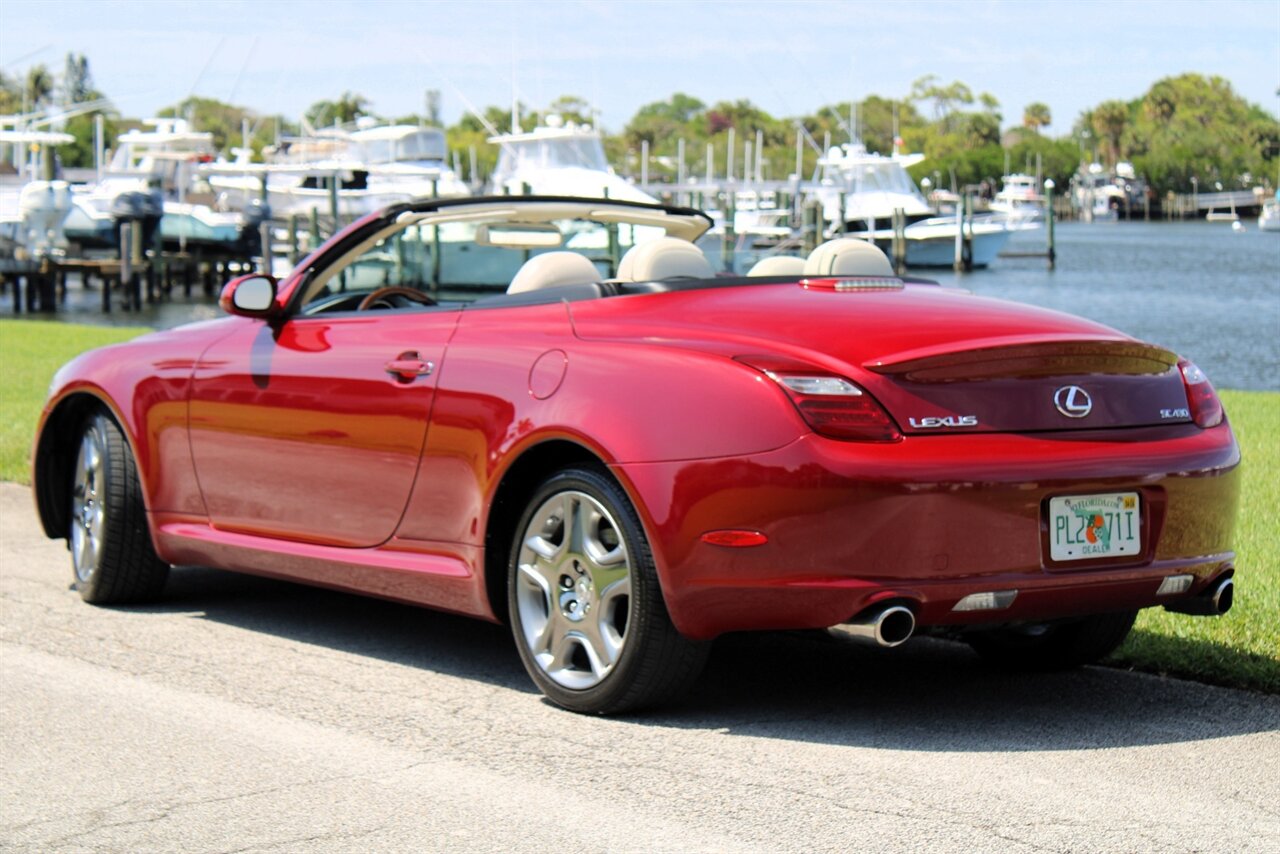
926,695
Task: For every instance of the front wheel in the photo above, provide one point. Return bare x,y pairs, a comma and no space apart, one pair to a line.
1053,646
586,607
110,542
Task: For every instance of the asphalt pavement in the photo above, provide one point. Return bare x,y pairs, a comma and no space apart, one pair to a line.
249,715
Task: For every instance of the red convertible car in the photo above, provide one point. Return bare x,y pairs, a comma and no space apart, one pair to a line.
552,412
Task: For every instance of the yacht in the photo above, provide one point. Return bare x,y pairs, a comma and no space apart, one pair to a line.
1019,198
874,185
32,209
558,158
372,167
1104,195
149,179
1269,219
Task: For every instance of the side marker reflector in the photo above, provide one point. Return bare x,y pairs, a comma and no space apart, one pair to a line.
1175,584
735,539
994,601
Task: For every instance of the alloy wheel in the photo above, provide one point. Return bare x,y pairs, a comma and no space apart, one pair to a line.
88,506
573,589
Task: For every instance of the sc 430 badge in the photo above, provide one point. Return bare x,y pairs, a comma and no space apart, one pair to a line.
933,422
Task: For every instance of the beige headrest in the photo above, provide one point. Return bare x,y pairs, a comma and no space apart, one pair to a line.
664,258
847,256
778,265
551,269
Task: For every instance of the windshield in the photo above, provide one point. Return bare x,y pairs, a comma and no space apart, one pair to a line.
445,261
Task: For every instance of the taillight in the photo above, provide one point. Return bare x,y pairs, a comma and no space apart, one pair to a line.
1202,400
832,405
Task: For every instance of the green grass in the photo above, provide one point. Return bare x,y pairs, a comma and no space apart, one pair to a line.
30,352
1241,649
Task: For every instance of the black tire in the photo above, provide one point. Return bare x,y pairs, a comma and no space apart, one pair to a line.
1055,646
112,559
583,646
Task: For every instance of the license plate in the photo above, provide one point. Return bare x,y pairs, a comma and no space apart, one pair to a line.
1084,527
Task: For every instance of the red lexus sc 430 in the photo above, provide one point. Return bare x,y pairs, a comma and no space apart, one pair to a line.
551,412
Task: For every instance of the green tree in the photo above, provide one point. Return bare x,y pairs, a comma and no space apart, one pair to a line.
77,83
1036,115
81,152
39,87
665,120
10,95
1110,120
1192,125
226,122
347,108
946,98
571,108
876,122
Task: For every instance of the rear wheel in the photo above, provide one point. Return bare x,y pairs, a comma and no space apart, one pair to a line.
110,543
586,607
1054,646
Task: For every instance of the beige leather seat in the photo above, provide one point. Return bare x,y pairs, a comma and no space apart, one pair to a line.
847,256
552,269
778,265
664,258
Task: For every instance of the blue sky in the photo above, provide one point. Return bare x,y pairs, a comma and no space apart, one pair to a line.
788,57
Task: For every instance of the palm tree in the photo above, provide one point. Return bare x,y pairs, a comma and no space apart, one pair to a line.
1109,121
1036,115
39,88
350,106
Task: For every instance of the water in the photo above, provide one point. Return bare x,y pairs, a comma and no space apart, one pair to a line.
1201,289
1207,292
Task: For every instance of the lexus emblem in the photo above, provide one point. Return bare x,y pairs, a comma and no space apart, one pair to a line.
1073,401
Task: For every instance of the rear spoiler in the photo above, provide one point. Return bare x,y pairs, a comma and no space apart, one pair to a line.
1025,357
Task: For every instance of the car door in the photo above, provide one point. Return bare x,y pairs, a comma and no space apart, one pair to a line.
313,431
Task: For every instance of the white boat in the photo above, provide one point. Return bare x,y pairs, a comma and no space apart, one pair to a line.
558,158
1102,195
32,209
873,186
149,179
1269,219
372,167
1019,198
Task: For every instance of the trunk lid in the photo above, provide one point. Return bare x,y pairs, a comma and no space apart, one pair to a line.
939,360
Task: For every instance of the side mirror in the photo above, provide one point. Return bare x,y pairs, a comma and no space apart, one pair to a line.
253,295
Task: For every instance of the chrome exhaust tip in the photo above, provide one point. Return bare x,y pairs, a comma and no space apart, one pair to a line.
887,627
1224,596
1214,602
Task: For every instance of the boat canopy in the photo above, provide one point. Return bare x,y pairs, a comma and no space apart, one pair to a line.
399,144
551,148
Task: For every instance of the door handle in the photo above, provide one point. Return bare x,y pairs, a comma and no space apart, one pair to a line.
407,367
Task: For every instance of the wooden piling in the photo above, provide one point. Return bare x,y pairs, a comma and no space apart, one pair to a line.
811,219
957,263
967,231
730,237
900,241
333,203
126,265
435,260
1049,220
264,236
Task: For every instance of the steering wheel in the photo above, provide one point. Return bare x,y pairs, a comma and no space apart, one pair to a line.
394,297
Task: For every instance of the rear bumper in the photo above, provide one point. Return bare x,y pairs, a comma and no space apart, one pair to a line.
930,520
